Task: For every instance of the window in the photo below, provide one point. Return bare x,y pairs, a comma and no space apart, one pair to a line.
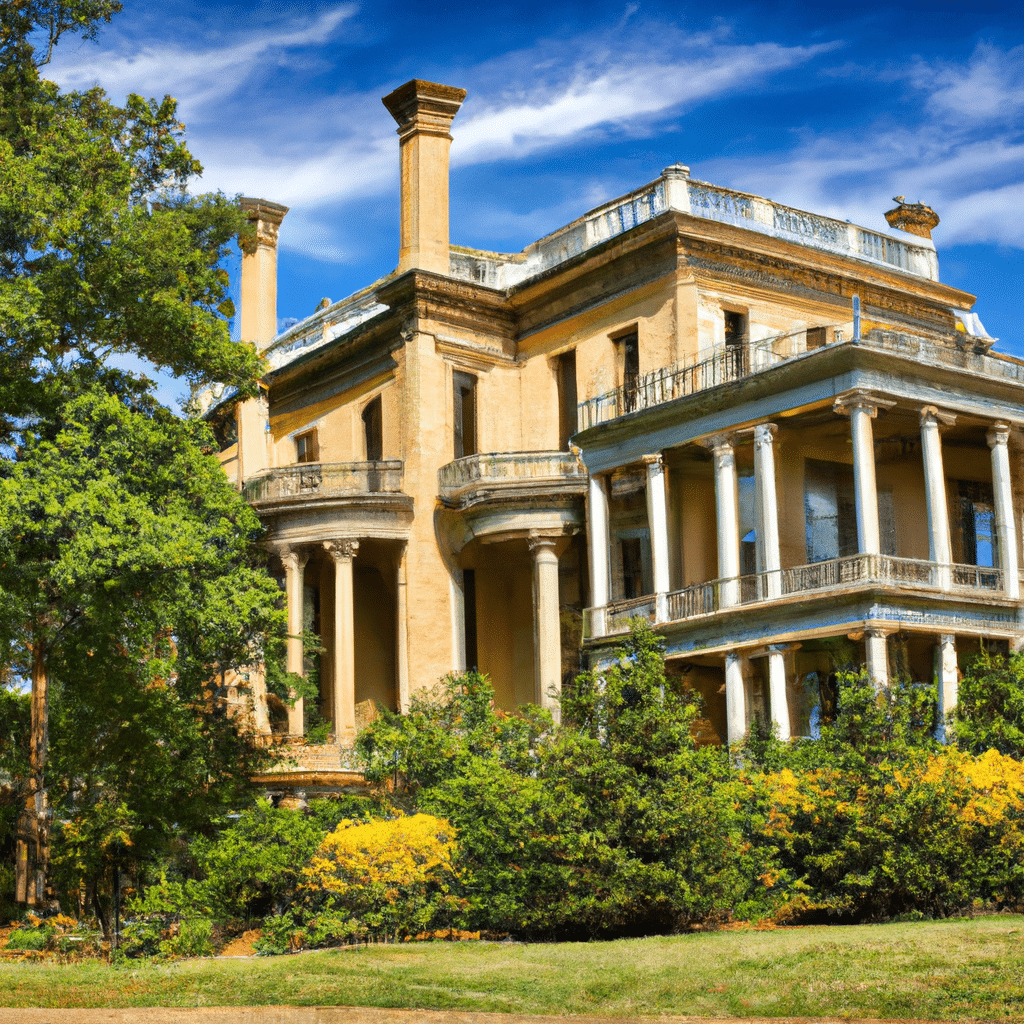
632,568
306,447
372,431
735,342
469,611
465,414
830,510
628,346
816,338
974,524
566,397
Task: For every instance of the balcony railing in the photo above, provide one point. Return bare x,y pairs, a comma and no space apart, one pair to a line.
325,480
737,362
507,470
835,574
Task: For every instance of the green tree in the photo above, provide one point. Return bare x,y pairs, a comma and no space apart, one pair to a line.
102,250
989,713
132,587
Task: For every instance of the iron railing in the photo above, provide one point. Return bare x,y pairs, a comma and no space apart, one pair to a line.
714,596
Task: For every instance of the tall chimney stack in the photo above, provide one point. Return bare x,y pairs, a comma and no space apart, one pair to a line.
258,323
258,313
424,112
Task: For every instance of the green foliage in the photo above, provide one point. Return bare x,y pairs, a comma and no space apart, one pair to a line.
126,554
254,866
990,705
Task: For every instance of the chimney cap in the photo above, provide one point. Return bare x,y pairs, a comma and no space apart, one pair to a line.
916,218
420,106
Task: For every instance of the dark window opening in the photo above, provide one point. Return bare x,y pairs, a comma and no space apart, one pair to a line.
629,346
225,429
975,541
566,397
306,447
465,414
816,338
373,431
632,568
469,605
735,343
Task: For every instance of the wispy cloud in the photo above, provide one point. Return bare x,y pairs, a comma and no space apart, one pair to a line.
947,153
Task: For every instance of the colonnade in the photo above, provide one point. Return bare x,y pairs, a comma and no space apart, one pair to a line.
343,650
862,407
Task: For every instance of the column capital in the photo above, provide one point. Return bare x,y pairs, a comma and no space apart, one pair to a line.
861,398
998,435
764,434
343,550
931,414
720,445
293,558
947,638
653,460
878,632
539,542
731,657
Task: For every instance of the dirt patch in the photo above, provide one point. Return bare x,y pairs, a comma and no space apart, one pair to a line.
242,945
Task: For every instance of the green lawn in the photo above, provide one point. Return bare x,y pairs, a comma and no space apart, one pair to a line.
945,970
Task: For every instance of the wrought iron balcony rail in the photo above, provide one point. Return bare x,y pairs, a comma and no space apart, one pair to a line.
736,362
507,469
325,480
709,598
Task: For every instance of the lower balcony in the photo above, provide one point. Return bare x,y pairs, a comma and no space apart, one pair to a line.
837,575
317,480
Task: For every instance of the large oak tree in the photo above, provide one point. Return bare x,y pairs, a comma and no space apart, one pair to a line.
129,581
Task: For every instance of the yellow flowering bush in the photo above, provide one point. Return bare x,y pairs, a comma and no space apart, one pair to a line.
392,878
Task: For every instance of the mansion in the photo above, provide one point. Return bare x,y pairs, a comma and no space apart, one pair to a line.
777,437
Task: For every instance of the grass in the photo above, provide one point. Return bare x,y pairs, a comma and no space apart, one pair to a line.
946,970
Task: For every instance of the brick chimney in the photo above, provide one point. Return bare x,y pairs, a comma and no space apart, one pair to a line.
424,112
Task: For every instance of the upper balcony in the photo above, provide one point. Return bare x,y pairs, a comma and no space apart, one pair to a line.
734,363
317,481
509,475
827,580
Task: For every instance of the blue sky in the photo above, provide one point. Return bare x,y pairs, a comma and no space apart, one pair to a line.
830,108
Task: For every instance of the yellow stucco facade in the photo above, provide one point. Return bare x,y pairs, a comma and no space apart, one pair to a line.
776,436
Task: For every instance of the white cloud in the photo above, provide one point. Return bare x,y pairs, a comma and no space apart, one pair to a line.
199,76
623,91
990,86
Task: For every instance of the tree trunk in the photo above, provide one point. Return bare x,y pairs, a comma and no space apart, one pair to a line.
33,848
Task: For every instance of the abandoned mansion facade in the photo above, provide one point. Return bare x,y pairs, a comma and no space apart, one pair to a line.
776,436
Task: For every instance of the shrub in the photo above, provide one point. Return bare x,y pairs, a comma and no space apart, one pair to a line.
392,878
989,713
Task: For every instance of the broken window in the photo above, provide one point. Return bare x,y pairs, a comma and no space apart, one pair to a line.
974,524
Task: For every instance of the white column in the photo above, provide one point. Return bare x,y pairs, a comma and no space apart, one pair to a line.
735,699
258,689
657,519
294,562
728,520
597,534
344,696
939,547
777,689
402,632
862,407
547,634
948,681
876,654
767,513
1002,489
